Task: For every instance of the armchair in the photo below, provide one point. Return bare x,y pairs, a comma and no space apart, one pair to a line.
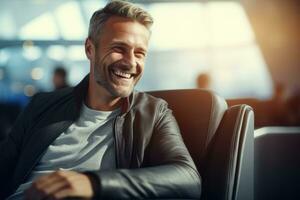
219,139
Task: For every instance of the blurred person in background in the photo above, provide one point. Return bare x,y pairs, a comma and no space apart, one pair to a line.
59,78
101,139
203,81
278,110
293,106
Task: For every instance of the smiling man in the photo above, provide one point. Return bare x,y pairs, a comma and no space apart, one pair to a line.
100,139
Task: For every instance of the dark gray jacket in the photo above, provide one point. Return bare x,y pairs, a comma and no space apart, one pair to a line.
152,160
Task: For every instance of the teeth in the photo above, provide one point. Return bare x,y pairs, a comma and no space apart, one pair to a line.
122,74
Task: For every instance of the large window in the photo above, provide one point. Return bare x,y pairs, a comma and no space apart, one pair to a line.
213,38
188,39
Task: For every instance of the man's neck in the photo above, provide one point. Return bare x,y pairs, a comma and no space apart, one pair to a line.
99,98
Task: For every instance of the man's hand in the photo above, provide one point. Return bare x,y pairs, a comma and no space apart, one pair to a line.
59,185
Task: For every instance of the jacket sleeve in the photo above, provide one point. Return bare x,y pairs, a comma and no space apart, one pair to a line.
167,172
9,150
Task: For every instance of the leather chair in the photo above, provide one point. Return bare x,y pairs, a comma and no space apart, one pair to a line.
219,139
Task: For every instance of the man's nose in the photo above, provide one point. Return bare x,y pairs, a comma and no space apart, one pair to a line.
130,58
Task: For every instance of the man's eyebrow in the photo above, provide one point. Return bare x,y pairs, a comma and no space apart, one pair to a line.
121,43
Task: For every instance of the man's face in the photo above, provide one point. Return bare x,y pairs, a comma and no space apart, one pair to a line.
118,60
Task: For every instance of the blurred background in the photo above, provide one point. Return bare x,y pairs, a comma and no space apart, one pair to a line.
245,50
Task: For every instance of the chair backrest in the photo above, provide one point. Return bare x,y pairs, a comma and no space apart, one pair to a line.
217,139
198,113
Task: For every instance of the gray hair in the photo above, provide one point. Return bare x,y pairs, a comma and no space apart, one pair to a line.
117,8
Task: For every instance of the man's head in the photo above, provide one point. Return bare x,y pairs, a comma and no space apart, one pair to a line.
203,81
59,78
117,45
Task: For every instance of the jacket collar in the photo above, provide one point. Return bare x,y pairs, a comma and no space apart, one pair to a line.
80,92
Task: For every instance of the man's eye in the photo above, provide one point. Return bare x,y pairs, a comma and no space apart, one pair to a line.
118,49
140,54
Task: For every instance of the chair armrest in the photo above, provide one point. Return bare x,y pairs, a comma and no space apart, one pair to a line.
228,170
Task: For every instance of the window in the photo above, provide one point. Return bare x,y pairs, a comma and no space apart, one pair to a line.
214,38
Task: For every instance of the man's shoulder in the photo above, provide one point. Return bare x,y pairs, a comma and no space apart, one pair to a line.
147,96
144,99
54,94
44,99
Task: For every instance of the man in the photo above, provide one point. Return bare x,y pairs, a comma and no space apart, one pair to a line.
101,139
59,78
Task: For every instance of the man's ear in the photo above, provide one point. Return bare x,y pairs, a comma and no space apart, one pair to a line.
89,48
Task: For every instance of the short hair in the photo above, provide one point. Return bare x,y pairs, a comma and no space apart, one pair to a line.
121,9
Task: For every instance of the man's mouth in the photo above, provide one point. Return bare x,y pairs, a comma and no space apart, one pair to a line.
122,74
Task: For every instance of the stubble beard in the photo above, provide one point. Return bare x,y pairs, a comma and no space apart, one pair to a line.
103,81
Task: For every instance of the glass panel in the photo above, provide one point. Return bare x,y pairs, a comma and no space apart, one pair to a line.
214,38
8,26
70,22
40,28
178,26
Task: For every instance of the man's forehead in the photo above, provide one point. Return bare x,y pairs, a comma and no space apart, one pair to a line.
120,29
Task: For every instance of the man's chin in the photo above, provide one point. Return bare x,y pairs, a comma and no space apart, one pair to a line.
121,92
116,90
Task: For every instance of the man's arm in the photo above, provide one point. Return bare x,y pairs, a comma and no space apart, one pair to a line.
8,158
10,150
